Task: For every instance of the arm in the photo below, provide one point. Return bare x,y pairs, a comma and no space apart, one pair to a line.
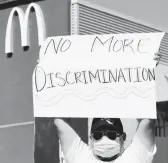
141,150
65,133
145,133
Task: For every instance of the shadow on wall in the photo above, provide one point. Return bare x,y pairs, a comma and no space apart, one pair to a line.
46,141
161,124
4,4
46,145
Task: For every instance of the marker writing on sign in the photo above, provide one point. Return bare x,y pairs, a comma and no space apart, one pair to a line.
103,76
120,45
62,46
112,44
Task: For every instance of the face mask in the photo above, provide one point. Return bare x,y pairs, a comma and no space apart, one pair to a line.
106,148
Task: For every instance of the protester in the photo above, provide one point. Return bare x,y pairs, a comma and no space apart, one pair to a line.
107,141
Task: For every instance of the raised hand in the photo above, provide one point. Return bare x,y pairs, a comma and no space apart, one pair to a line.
157,58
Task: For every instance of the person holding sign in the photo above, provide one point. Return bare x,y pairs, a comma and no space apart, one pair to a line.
107,141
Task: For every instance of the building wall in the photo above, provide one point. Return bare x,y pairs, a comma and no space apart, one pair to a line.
16,105
152,12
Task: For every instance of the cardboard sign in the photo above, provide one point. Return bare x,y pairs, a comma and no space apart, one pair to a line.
97,76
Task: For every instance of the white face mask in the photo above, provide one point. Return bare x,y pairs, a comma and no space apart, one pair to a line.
106,148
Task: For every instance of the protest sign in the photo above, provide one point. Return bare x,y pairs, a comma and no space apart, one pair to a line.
97,76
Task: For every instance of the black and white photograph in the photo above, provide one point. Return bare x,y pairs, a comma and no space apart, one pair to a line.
83,81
